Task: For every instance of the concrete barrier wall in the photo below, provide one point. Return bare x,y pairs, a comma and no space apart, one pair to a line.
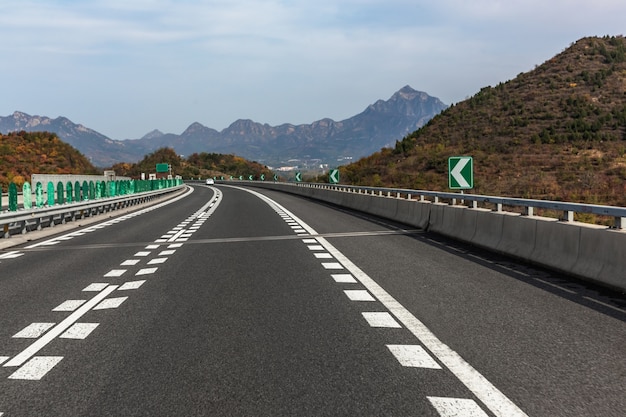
585,251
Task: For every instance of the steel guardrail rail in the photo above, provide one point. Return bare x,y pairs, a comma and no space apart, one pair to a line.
528,205
21,220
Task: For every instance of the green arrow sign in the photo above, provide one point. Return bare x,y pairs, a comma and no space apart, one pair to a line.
461,172
250,177
275,177
262,177
333,176
298,176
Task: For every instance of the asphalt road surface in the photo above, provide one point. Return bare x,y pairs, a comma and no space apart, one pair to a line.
240,302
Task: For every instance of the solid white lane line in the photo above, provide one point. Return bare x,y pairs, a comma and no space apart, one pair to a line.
33,330
59,328
359,295
456,407
79,331
36,368
413,356
3,359
343,278
110,303
485,391
146,271
381,319
69,305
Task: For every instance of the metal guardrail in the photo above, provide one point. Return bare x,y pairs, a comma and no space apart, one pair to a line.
528,206
24,221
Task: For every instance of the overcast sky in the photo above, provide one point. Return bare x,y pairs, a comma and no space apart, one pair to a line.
126,67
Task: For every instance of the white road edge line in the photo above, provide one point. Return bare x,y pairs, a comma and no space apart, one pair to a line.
57,330
484,390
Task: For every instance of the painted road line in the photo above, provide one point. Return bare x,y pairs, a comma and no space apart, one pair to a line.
359,295
110,303
79,331
142,253
146,271
413,356
114,273
131,285
316,247
157,261
152,246
33,330
344,278
69,305
130,262
96,287
332,265
175,246
309,241
4,359
456,407
323,255
381,319
498,403
166,253
11,255
176,235
59,328
36,368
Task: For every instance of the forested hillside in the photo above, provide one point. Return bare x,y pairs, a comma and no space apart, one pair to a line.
557,132
26,153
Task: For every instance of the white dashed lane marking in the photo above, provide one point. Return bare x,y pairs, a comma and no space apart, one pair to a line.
381,319
130,262
359,295
146,271
456,407
413,356
344,278
36,368
96,286
131,285
110,303
69,305
79,331
114,273
59,328
33,330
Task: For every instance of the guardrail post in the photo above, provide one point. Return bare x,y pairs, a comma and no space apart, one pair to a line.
568,216
60,197
529,211
620,222
50,190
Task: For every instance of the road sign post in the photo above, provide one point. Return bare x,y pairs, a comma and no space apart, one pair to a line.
460,172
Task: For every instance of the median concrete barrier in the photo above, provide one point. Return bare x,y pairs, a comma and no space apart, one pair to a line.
586,251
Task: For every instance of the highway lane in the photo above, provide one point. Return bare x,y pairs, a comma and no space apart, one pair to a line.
233,313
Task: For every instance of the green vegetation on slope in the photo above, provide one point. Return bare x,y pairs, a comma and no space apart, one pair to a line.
557,132
197,165
24,153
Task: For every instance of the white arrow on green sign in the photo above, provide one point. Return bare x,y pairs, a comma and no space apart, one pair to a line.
333,176
298,176
461,172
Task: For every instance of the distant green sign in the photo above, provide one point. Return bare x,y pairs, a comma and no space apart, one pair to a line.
298,176
162,168
333,176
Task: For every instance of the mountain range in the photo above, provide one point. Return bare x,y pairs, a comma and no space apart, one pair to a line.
380,125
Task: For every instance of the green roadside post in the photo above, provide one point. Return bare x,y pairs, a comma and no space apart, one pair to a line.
12,197
77,191
39,195
60,193
50,192
85,191
69,191
27,195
